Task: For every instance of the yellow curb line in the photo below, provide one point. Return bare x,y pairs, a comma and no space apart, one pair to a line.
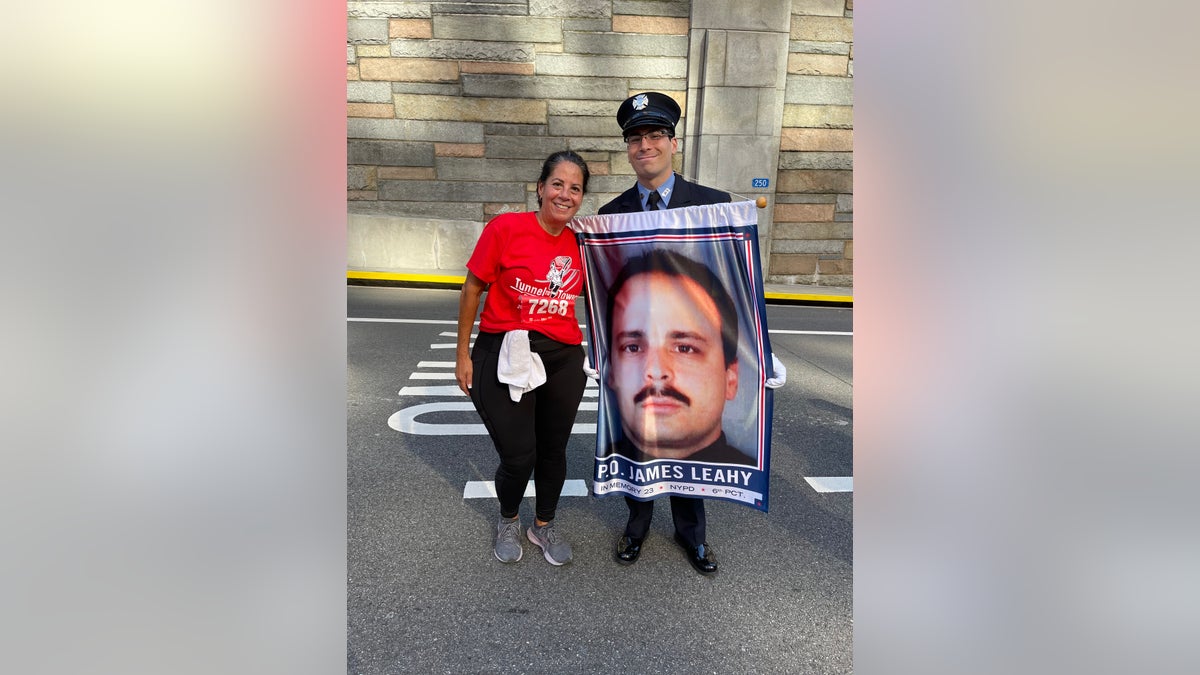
458,281
419,278
809,297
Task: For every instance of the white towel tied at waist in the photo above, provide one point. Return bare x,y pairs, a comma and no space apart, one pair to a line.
780,378
519,368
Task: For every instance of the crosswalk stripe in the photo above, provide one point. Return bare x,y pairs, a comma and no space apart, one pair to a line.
449,334
593,392
831,483
432,391
484,489
811,332
352,319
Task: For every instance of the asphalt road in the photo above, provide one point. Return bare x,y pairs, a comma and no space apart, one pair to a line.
426,594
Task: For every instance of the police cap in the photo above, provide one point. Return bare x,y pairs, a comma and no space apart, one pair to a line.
648,109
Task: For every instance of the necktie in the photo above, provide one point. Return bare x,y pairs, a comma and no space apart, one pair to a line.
654,201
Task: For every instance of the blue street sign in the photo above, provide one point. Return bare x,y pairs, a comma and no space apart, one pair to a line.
760,182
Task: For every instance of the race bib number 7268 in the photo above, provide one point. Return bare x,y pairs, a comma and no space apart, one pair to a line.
534,308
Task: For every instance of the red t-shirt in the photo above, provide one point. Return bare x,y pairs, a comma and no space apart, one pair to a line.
534,276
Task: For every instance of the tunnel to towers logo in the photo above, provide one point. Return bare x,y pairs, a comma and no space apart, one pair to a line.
560,276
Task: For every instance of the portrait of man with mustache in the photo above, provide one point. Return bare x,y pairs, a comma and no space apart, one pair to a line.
673,342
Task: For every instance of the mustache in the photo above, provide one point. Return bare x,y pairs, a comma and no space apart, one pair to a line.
668,391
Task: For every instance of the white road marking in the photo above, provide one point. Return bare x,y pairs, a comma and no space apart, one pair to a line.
449,334
443,345
581,326
831,483
455,391
486,489
432,391
405,420
424,321
809,332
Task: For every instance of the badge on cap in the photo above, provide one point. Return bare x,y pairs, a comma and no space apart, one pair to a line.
640,102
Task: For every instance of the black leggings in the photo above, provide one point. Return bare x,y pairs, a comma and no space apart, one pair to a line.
530,435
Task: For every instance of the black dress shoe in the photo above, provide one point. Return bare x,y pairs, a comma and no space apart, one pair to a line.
628,549
701,557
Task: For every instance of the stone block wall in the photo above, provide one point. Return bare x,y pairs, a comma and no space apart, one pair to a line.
812,234
452,106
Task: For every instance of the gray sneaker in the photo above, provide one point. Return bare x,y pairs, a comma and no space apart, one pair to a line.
554,547
508,540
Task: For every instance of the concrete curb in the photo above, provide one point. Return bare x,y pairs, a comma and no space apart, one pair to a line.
774,294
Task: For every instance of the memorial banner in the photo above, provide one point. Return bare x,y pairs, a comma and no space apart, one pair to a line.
677,329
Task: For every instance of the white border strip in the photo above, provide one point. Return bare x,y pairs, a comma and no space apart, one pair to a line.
427,321
453,390
809,332
486,489
447,334
831,483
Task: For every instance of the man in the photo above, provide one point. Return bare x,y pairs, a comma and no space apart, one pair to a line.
672,344
648,122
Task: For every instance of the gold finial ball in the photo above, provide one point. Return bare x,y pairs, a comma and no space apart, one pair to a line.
761,202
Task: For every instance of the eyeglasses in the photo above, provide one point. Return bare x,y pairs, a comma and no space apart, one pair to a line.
652,136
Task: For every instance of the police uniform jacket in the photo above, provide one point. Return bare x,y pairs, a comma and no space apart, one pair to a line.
684,194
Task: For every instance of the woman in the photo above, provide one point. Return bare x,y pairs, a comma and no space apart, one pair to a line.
525,373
